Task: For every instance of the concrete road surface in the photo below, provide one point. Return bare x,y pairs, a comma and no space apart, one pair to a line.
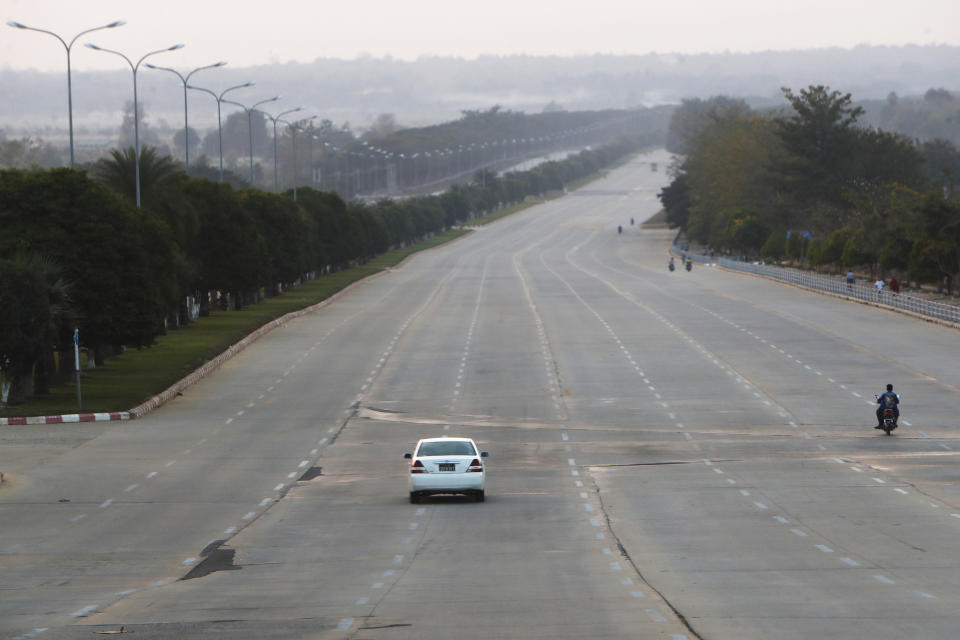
672,455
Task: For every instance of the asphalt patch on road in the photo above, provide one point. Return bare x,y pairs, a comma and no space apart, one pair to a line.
218,559
311,473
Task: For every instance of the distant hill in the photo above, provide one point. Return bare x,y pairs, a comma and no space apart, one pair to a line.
436,89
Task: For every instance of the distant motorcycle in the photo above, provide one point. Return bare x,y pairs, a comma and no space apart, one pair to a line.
689,264
670,265
888,416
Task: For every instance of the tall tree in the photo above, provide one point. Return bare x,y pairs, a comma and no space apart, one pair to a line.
817,138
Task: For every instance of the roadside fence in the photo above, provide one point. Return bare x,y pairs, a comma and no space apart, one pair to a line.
837,285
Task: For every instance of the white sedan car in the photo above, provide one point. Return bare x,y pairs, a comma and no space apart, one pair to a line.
446,465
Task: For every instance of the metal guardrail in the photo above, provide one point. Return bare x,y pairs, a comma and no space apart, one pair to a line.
838,285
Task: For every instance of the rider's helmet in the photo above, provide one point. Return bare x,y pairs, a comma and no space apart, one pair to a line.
889,387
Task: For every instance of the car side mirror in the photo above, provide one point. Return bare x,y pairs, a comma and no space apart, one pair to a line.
484,454
408,456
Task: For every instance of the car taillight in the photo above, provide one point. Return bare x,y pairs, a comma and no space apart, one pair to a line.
417,467
476,466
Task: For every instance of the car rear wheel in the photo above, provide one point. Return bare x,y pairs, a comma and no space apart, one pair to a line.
414,497
479,496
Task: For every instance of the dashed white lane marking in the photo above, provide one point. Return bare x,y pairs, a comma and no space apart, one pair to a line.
571,462
78,518
228,421
344,624
824,548
924,594
880,480
363,601
230,531
655,615
781,519
588,508
884,579
899,490
398,559
130,488
626,582
760,505
413,526
188,562
421,511
303,463
292,475
249,515
615,566
377,585
171,463
84,612
279,487
583,495
744,493
106,503
802,534
265,502
564,436
850,561
638,594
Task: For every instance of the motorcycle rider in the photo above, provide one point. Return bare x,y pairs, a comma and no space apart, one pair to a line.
888,400
670,264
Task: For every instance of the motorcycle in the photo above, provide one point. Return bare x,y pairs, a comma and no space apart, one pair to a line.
888,416
670,266
689,264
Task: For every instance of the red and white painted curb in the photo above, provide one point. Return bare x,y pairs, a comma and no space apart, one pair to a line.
70,417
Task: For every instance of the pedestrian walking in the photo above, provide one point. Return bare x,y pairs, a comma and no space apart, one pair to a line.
879,285
894,285
850,280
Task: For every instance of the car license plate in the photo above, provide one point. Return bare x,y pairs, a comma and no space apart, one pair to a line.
447,466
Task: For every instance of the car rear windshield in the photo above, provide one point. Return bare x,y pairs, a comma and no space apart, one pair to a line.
454,448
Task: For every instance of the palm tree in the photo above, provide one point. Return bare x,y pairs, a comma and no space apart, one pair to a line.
119,172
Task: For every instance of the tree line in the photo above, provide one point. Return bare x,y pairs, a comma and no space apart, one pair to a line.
75,252
812,184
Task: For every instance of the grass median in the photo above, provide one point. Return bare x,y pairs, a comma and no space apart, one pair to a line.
126,380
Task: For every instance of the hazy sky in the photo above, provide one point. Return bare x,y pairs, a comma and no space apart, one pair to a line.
246,33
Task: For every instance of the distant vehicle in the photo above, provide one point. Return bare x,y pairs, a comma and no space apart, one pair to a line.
653,166
446,465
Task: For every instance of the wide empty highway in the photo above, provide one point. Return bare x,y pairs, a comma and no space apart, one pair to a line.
672,455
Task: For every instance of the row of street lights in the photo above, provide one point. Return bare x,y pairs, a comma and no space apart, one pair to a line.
185,80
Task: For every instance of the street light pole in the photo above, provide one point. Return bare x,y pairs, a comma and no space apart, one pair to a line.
250,111
136,112
276,175
220,99
68,47
186,128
